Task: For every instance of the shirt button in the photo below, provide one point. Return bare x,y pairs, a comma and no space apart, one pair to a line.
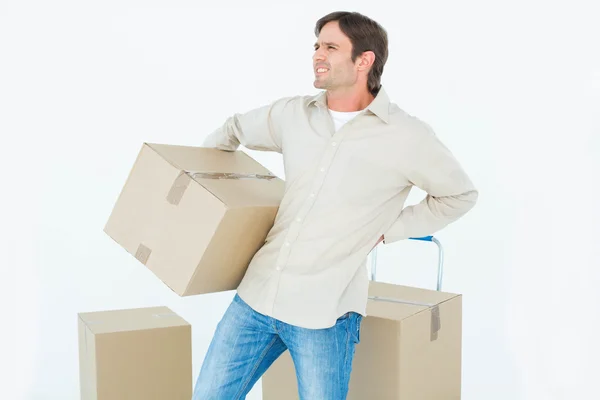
298,219
312,195
278,268
333,143
287,243
322,169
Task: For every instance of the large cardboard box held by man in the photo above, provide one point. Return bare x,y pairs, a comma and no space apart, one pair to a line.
409,349
195,216
135,354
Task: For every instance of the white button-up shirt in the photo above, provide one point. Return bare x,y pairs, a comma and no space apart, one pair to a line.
344,190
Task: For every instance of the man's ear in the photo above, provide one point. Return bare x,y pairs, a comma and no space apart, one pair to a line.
366,60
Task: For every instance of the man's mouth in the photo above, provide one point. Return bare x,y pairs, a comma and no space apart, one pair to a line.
321,70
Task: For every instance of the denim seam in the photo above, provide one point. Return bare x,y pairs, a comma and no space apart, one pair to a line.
348,338
259,361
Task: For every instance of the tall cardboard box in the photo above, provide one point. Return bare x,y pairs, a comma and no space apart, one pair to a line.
135,354
195,216
410,349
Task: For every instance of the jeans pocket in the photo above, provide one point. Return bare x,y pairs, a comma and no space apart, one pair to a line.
343,318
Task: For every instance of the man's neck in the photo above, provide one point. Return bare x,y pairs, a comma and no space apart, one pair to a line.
349,100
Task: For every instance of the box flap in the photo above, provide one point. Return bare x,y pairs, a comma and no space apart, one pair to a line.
205,159
131,319
244,192
233,177
398,302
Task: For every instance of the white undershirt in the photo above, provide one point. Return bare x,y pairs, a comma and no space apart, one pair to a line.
341,117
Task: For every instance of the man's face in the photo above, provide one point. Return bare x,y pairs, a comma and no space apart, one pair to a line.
333,67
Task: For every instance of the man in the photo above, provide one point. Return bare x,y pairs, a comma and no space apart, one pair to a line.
350,158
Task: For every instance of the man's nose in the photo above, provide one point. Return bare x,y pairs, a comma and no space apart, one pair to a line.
319,56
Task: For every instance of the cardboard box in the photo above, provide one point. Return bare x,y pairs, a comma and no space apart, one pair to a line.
410,349
195,216
135,354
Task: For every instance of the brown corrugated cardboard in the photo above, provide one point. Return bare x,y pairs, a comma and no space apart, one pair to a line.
135,354
410,349
195,216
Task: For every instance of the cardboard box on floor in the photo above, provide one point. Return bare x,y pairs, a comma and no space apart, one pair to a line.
195,216
410,349
135,354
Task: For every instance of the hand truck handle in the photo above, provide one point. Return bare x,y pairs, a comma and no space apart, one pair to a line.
424,239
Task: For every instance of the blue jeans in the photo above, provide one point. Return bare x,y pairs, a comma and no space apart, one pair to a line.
246,343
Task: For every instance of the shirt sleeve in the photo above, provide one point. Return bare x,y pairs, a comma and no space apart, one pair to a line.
431,167
257,129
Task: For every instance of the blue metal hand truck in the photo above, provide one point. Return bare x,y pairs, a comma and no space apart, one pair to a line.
432,239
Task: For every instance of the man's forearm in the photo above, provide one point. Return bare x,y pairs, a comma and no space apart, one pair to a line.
257,129
430,215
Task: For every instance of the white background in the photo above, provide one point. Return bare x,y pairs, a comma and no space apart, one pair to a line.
511,87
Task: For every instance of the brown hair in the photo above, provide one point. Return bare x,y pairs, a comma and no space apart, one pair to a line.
365,35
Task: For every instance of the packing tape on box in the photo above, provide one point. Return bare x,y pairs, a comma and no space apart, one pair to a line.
182,181
180,184
86,328
143,253
229,175
166,315
436,324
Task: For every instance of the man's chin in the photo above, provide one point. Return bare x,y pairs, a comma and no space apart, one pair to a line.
319,84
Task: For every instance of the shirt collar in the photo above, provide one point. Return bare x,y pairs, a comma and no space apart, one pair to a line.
379,106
